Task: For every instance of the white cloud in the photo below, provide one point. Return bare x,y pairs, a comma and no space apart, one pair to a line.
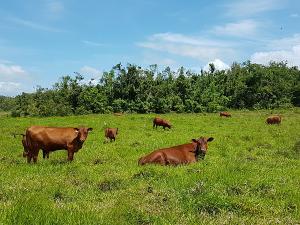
9,88
240,29
284,43
91,43
246,8
294,15
150,59
11,71
33,25
13,79
55,7
285,49
219,65
292,56
90,71
90,74
188,46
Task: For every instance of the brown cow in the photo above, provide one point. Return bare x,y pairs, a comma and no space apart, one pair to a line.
111,133
273,120
54,138
225,114
118,114
180,154
161,122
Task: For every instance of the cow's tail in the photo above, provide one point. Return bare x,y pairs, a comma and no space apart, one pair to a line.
15,134
28,140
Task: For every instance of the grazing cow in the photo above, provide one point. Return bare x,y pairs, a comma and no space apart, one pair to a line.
111,133
225,114
118,114
180,154
161,122
273,120
54,138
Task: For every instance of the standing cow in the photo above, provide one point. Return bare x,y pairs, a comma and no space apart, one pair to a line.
110,133
161,122
54,138
180,154
273,120
225,114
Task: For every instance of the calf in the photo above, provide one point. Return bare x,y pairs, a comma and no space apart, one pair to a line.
180,154
118,114
273,120
25,152
161,122
111,133
54,138
225,114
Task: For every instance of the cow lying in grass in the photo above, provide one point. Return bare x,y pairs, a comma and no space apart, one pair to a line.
180,154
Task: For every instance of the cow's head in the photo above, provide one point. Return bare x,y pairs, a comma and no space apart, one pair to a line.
201,147
82,133
168,125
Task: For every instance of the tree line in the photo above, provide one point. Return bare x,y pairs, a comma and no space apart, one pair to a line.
134,89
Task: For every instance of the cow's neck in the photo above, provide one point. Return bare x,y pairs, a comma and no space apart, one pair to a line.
197,153
77,142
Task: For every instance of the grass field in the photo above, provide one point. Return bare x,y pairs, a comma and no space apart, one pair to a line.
251,173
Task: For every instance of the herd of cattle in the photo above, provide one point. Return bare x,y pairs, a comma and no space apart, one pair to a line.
50,139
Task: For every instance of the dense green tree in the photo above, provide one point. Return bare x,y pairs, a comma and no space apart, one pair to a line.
131,88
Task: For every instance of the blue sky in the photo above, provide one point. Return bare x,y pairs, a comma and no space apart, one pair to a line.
40,41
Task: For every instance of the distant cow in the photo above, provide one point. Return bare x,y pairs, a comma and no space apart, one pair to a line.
118,114
225,114
180,154
54,138
161,122
111,133
273,120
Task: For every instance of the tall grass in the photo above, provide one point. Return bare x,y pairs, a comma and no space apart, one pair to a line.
251,173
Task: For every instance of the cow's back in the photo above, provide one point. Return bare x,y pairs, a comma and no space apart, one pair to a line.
50,138
274,120
174,155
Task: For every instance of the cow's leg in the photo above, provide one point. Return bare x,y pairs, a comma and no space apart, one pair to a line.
44,154
29,157
164,127
35,155
70,155
160,158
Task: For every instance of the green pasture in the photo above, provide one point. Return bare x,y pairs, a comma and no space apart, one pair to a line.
250,175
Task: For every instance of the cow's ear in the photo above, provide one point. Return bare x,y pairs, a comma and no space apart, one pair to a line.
194,140
76,130
210,139
90,129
